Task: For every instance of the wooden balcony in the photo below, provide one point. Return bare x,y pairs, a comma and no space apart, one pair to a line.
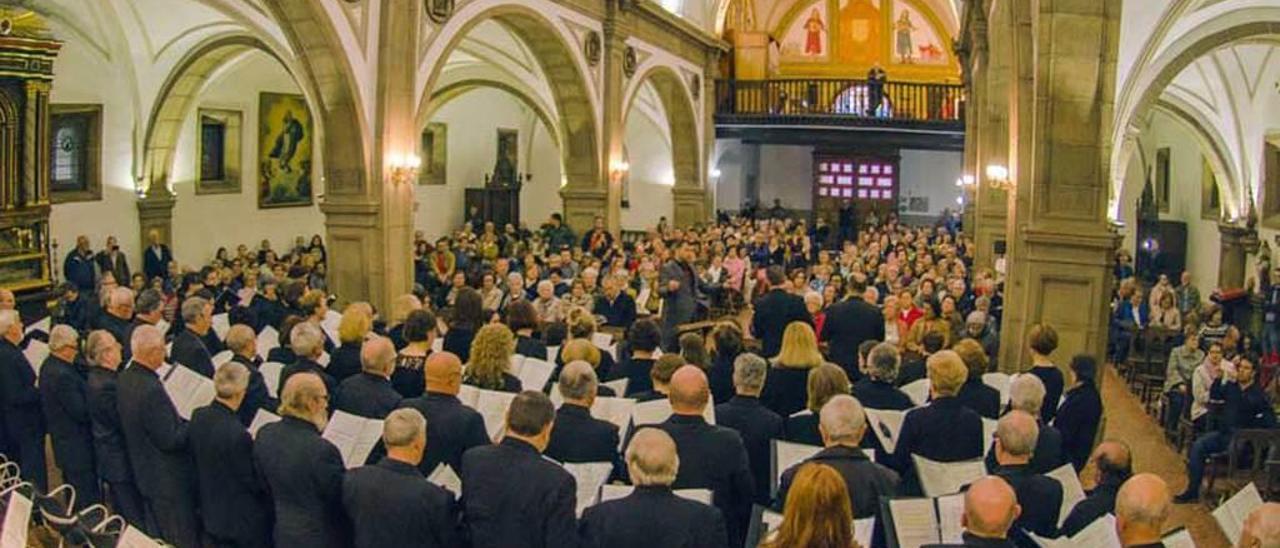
851,103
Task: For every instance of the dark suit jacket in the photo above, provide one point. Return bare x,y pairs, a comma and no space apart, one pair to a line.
1100,502
64,395
1039,496
773,313
621,312
1053,387
1046,456
982,399
758,426
911,370
515,498
118,265
458,341
156,264
234,502
155,435
367,396
636,371
452,429
109,449
189,350
866,480
943,431
391,504
304,365
1078,421
848,324
802,427
256,395
677,306
713,457
344,362
875,394
786,389
720,377
531,348
579,437
304,473
119,328
652,517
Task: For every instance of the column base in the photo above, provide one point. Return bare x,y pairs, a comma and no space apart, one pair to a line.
1236,243
582,205
155,212
689,207
361,248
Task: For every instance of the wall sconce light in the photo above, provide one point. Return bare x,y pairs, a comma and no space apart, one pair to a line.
965,181
715,173
998,177
404,169
619,169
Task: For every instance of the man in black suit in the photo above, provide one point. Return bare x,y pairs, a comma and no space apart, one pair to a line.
1143,505
944,430
234,504
1039,496
652,515
307,342
711,457
156,258
109,450
117,314
842,423
112,260
680,289
455,428
990,508
513,497
63,393
1026,393
188,346
850,322
20,401
148,309
579,437
1113,465
774,311
303,471
615,305
243,344
876,390
370,393
390,503
757,424
157,440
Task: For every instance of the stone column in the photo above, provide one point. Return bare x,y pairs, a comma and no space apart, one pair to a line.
1237,242
1059,118
155,212
991,83
582,202
750,54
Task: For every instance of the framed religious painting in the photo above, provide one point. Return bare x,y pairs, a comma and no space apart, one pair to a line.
285,139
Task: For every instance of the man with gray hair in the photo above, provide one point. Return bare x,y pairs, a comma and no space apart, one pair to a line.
758,425
579,437
307,342
978,328
876,390
243,344
63,392
390,503
843,423
188,346
370,394
148,309
653,515
118,313
20,402
1026,393
1262,527
234,503
1039,496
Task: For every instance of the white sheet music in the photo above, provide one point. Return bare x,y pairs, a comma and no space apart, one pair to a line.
36,353
268,340
445,477
950,513
534,373
17,517
1000,382
516,361
437,345
188,390
492,406
271,376
914,522
988,434
222,358
221,325
613,492
602,340
787,454
589,476
353,436
162,325
330,326
553,352
1072,491
918,391
656,411
1232,513
131,537
619,386
260,419
886,424
43,325
1099,534
944,478
1179,538
641,299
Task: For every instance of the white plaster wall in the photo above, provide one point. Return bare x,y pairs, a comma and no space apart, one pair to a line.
931,174
473,121
652,173
786,173
203,223
731,185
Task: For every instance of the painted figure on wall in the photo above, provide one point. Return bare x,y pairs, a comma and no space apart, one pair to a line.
905,45
284,136
814,28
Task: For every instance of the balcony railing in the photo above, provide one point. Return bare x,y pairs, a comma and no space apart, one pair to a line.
852,102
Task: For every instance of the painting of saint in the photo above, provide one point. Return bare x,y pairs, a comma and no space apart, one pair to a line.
806,38
814,28
284,151
915,41
903,30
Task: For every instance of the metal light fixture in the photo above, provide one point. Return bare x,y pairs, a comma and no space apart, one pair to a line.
966,181
404,169
998,177
619,169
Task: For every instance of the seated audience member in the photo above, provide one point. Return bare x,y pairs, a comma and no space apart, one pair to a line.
465,321
817,511
757,425
62,390
284,353
825,381
455,427
400,309
876,390
1142,508
303,470
653,515
308,344
843,424
660,377
390,503
977,326
1043,340
1178,375
613,304
990,508
944,430
643,339
355,325
914,369
1262,527
523,321
787,388
725,345
1212,367
1039,496
711,457
419,332
369,393
579,437
243,344
975,394
513,496
583,350
188,346
1080,414
1244,405
1026,393
491,352
1112,467
234,503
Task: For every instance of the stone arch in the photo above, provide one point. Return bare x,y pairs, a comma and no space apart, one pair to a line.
682,125
1210,141
554,48
441,97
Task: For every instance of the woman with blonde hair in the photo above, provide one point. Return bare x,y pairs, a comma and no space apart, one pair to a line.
817,512
583,350
355,325
400,309
825,382
786,390
582,324
490,359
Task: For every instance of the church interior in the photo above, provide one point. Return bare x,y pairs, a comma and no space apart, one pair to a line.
1087,192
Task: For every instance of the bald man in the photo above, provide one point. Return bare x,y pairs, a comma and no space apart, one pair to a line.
454,427
1112,464
370,393
1040,496
1261,528
711,457
1142,507
990,508
242,341
578,436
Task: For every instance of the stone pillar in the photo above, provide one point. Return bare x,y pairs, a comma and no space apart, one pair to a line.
991,143
369,216
155,212
1060,108
1237,242
582,204
750,55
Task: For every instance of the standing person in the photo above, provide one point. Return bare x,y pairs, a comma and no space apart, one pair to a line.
990,507
455,427
63,391
757,425
579,437
775,311
79,267
679,288
110,454
848,324
243,344
1039,496
876,79
1113,465
189,349
1043,340
20,400
1080,415
156,258
112,260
